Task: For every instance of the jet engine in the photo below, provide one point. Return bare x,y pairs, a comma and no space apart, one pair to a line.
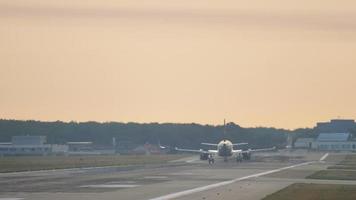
204,156
246,155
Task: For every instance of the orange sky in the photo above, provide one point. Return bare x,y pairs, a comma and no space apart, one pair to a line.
257,63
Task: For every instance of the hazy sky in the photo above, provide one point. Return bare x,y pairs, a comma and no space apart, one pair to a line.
282,63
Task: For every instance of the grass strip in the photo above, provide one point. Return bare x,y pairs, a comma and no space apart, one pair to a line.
307,191
32,163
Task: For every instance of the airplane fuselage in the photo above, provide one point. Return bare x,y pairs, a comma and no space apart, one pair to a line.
225,148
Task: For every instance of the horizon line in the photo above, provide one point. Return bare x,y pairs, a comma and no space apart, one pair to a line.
155,122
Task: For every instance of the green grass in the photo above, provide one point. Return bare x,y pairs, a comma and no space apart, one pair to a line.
348,163
31,163
345,170
334,175
346,167
304,191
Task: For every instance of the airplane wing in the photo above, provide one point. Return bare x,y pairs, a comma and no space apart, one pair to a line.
192,150
259,150
209,144
238,144
237,151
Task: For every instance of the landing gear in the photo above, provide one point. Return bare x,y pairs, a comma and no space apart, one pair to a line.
225,159
238,159
211,159
246,156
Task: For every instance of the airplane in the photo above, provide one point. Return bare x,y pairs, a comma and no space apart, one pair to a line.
225,149
161,146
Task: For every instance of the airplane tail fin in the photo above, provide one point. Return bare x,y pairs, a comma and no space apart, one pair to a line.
224,133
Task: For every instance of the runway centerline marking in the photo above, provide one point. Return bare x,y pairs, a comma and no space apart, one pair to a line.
190,161
155,177
215,185
109,186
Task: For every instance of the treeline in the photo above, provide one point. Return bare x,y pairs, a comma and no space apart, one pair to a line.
170,134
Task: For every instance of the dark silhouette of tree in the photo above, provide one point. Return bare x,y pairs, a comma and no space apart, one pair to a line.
170,134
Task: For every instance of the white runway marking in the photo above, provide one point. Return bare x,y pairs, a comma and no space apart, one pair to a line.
190,161
155,177
208,187
77,170
121,182
11,198
324,157
181,173
109,186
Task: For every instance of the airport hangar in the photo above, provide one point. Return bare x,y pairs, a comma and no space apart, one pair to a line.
37,145
31,145
328,142
333,136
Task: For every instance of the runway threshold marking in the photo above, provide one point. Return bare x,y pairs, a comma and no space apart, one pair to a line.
324,157
215,185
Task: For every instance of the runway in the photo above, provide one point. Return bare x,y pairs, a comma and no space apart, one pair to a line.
187,178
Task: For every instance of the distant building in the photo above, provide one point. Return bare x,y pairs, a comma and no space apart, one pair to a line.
328,142
336,126
125,147
334,142
88,148
31,145
29,140
304,143
333,136
147,149
80,146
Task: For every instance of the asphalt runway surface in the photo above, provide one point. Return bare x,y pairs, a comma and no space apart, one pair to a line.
187,178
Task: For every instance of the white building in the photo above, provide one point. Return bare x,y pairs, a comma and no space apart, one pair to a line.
334,142
31,145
